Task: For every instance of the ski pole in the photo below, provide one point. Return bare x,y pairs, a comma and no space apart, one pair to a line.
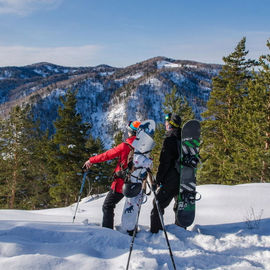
149,176
80,194
136,226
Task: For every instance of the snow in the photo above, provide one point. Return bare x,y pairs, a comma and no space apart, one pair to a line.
116,118
178,78
106,73
128,78
136,76
57,93
52,68
166,64
191,66
40,72
218,239
7,74
117,114
98,86
154,82
71,146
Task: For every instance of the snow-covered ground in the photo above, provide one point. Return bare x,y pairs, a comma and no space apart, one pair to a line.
226,234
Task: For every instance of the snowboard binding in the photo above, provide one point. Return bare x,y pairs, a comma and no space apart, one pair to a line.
190,160
131,190
188,198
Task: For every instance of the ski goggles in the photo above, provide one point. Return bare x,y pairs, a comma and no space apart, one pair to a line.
168,117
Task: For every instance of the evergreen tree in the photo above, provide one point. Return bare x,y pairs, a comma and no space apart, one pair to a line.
70,152
118,138
158,138
3,170
221,132
100,173
21,182
174,103
265,82
254,149
46,167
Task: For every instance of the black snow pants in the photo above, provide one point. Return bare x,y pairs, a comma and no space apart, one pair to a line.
164,196
109,204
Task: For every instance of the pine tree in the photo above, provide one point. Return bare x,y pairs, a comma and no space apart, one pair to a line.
46,169
3,169
174,103
158,138
221,132
255,123
70,153
265,75
118,138
100,173
21,182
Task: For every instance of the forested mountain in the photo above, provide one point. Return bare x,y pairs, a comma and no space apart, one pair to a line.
107,97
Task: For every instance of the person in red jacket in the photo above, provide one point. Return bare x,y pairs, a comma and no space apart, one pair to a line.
121,152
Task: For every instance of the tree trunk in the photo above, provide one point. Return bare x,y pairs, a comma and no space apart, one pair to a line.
13,190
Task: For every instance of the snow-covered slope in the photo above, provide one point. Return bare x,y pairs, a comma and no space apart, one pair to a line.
107,97
225,235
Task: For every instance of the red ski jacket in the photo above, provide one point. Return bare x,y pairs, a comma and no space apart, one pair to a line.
121,152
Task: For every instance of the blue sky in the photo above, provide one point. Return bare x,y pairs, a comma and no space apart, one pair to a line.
120,33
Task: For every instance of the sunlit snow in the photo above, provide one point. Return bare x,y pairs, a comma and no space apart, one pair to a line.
231,231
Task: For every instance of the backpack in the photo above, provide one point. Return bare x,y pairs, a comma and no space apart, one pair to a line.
125,173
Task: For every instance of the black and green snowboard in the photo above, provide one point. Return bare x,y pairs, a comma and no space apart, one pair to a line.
189,158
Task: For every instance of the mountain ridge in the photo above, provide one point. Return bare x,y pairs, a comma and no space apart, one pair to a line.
107,96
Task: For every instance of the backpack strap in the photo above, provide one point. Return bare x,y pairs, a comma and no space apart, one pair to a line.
143,154
129,145
130,155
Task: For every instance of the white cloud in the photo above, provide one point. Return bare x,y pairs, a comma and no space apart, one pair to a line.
25,7
66,56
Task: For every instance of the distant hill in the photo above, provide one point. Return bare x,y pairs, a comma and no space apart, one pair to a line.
107,96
